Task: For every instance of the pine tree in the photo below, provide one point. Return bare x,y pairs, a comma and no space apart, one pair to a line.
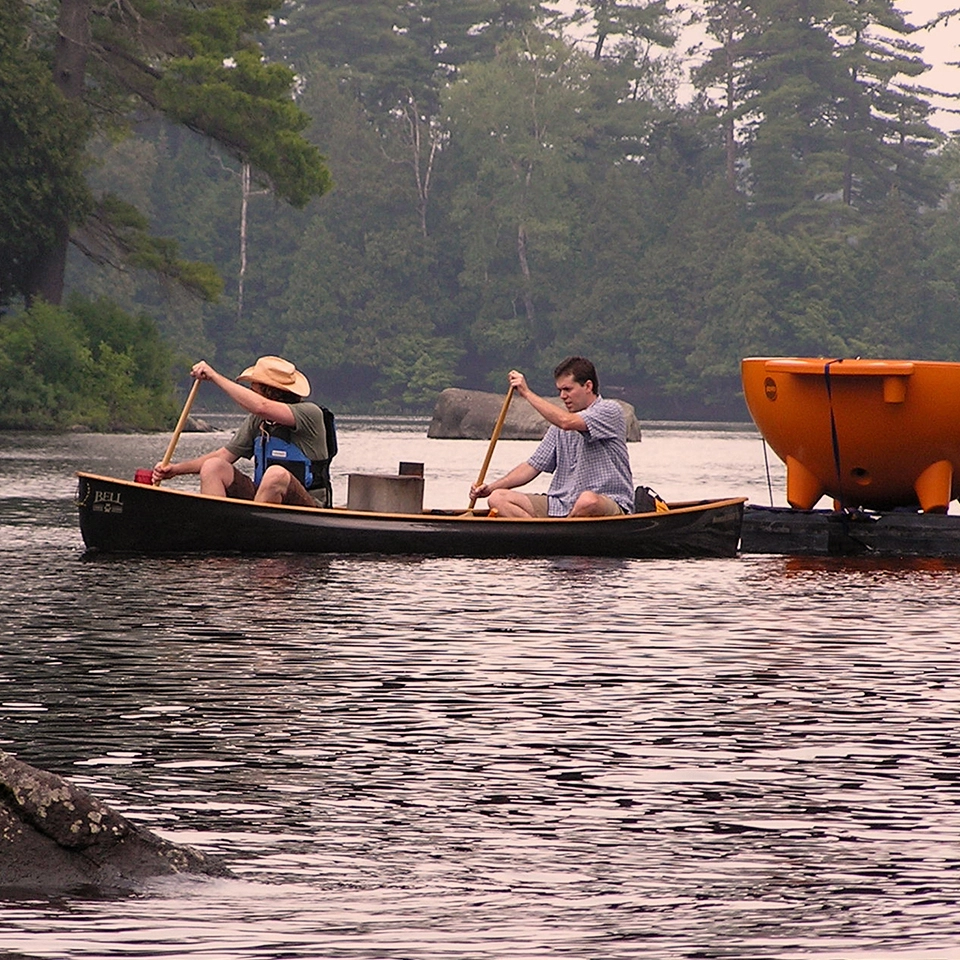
196,64
398,56
812,110
885,124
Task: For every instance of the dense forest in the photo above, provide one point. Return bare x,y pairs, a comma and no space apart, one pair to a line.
406,196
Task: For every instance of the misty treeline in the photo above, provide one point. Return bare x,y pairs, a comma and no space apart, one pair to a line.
513,182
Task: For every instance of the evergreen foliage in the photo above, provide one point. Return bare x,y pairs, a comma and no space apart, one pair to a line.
505,196
196,64
41,160
87,364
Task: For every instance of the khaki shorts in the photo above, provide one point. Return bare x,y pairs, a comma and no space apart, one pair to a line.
541,504
611,507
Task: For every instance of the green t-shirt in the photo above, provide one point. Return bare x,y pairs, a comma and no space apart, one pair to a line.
307,432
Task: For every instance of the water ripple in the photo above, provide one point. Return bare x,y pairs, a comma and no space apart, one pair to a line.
441,758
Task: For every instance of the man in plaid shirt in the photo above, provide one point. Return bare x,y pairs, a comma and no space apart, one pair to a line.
584,448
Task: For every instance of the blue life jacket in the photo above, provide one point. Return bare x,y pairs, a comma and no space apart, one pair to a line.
274,446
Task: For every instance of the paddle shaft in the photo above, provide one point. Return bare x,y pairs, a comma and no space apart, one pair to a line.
181,423
493,441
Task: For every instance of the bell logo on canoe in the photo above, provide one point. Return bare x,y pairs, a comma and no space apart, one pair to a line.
107,501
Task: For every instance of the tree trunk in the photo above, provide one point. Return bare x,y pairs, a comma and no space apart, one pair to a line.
73,44
848,135
69,74
729,127
525,270
422,157
526,294
244,200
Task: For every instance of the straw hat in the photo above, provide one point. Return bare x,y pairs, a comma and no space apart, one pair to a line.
279,373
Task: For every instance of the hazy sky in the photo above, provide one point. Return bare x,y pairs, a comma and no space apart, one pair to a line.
940,46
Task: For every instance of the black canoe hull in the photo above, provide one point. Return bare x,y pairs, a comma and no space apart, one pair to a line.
119,516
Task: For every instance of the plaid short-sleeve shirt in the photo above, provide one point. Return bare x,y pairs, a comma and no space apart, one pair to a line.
596,459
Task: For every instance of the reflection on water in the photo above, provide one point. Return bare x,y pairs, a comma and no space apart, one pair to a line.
438,758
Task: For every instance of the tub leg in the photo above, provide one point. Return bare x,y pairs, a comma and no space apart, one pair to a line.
803,488
933,487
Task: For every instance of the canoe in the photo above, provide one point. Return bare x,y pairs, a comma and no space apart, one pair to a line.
121,516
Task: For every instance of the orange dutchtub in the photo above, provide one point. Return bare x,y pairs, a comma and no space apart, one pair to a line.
878,434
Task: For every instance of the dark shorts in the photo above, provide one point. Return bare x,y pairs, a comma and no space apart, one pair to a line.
243,488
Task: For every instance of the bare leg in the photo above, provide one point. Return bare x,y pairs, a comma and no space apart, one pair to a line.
279,485
216,476
511,503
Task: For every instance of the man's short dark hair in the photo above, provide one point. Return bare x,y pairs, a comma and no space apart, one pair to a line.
580,369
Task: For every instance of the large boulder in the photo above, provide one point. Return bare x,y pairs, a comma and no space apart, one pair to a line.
197,425
472,415
57,836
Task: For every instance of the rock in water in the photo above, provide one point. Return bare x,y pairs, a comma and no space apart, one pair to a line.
57,836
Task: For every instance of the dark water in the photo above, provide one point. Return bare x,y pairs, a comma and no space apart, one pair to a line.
421,758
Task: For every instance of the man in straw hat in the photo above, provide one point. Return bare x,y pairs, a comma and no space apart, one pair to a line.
283,434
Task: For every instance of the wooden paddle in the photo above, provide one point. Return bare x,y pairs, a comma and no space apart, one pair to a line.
493,442
181,423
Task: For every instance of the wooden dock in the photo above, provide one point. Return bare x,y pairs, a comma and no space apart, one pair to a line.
783,530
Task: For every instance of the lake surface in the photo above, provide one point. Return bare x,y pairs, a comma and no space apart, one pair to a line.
416,758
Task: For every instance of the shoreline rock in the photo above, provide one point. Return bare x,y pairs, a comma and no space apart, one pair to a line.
57,836
197,425
472,415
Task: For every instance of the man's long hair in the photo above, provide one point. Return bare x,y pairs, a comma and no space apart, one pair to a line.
580,369
275,393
